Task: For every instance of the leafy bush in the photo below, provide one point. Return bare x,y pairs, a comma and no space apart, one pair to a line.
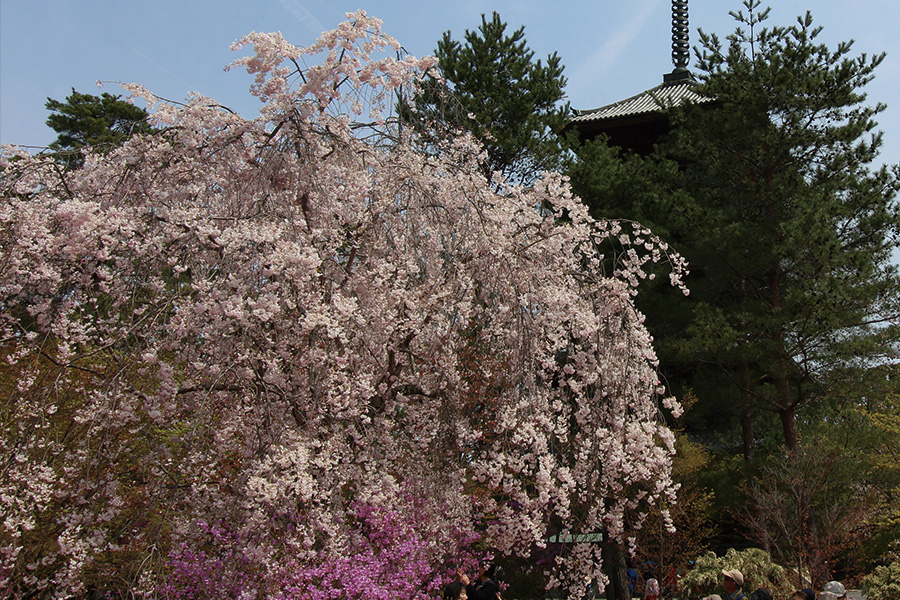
754,564
883,583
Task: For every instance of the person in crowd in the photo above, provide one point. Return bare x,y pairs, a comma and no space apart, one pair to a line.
761,594
713,597
632,576
670,584
485,586
455,590
648,569
651,589
833,590
733,582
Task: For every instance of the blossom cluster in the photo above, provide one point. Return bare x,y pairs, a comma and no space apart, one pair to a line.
275,356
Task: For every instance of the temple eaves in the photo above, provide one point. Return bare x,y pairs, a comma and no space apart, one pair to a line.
664,96
636,122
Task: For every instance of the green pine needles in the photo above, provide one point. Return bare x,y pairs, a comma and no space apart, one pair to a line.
97,122
512,103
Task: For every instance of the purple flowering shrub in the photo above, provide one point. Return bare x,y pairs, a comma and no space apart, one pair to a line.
221,570
387,557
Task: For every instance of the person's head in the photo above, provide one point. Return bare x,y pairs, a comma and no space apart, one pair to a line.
713,597
455,591
651,587
761,594
733,580
836,588
810,595
487,569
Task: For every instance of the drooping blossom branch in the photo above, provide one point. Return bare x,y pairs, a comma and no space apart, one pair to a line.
311,340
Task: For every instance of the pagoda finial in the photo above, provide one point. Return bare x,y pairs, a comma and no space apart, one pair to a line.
680,42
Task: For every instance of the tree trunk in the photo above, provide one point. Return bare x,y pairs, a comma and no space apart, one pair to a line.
789,427
747,434
614,567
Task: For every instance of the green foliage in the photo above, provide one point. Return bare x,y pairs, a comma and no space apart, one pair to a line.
510,102
754,564
97,122
791,233
883,583
885,457
863,427
616,184
788,227
773,196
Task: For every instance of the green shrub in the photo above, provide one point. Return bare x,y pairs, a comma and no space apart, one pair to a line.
755,565
883,583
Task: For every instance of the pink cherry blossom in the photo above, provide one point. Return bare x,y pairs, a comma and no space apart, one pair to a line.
266,356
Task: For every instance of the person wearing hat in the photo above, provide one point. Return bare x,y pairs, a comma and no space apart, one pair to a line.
651,589
834,590
733,583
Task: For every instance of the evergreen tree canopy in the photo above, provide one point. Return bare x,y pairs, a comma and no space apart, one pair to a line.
512,103
789,228
85,120
775,196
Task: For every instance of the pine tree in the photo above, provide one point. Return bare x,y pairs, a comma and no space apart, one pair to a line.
510,102
99,122
789,228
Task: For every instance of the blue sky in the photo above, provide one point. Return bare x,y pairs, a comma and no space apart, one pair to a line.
612,49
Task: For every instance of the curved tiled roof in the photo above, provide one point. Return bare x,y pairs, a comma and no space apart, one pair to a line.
661,97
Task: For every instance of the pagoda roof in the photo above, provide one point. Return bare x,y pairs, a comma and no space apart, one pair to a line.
656,100
638,123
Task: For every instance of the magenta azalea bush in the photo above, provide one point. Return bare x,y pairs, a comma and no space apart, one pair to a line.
310,355
385,558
